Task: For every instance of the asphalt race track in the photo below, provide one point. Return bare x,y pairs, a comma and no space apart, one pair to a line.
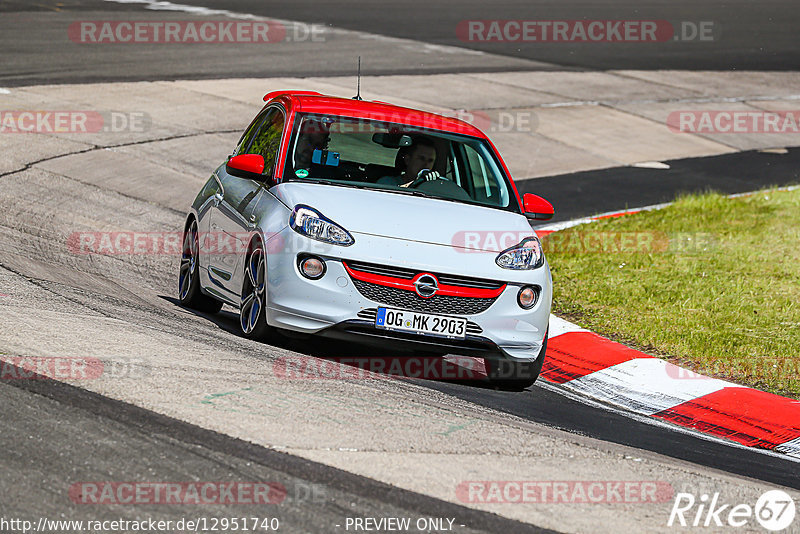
201,403
583,194
754,36
751,36
153,442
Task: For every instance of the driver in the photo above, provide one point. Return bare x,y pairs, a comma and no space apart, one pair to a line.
419,156
314,135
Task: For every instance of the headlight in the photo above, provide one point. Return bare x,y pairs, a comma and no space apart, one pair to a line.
311,223
527,255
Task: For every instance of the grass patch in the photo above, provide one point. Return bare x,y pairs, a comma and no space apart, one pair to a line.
709,283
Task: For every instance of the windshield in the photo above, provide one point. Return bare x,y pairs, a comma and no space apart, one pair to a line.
397,158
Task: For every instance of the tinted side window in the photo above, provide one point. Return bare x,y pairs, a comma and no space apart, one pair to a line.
484,181
244,142
268,139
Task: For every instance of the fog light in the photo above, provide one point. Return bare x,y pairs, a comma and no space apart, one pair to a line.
312,267
527,297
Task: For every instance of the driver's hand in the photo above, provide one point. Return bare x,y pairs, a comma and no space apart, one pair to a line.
426,175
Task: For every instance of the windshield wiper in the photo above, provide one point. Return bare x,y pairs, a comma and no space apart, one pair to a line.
324,181
413,192
404,191
418,193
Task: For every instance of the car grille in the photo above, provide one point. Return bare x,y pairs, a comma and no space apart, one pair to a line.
370,314
408,274
400,298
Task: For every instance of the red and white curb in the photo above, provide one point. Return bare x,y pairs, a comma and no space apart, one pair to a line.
588,365
555,227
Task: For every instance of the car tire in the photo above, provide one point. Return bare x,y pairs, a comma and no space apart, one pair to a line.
253,309
515,376
189,292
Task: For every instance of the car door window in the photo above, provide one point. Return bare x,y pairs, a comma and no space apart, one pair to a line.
267,140
484,183
247,136
262,137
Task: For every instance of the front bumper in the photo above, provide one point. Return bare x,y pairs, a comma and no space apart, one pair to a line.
364,332
332,306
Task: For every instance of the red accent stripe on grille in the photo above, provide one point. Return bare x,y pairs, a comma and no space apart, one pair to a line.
408,285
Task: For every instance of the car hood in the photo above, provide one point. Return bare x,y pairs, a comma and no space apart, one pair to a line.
407,217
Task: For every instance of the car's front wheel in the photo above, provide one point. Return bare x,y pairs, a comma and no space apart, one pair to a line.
189,278
253,310
515,376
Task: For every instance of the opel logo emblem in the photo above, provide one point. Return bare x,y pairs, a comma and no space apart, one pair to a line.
426,286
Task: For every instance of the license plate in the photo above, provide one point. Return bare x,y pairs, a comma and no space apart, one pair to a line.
421,323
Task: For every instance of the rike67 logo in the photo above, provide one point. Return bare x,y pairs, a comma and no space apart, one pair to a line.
775,511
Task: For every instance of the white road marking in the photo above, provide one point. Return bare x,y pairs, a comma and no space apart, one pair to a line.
646,385
156,5
559,326
790,448
651,165
646,419
555,227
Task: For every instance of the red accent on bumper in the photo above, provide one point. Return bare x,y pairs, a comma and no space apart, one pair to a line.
408,285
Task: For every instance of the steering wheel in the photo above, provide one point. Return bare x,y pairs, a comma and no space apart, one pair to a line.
440,186
426,175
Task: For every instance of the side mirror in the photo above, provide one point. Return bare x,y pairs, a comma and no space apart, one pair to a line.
246,166
537,208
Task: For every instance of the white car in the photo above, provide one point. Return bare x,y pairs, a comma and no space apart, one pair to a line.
374,223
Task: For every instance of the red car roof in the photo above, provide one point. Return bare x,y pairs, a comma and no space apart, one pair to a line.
310,102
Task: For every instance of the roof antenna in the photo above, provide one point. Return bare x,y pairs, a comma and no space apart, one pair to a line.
358,89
